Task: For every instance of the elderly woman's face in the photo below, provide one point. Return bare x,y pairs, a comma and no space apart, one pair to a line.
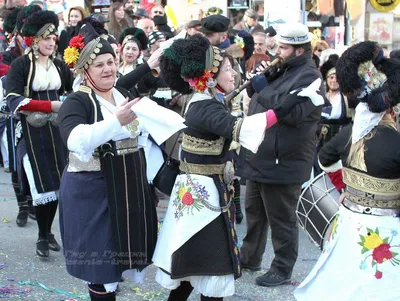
226,76
103,71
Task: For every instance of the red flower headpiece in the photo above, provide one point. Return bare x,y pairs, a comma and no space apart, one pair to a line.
72,53
202,82
77,42
29,40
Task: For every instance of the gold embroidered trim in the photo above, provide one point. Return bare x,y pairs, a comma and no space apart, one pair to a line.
12,94
369,202
54,151
26,88
236,129
200,146
201,169
372,185
45,31
88,90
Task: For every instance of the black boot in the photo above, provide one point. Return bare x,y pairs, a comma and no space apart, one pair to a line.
42,248
53,244
31,208
236,201
22,217
97,292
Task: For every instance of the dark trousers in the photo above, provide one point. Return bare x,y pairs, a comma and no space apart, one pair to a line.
271,205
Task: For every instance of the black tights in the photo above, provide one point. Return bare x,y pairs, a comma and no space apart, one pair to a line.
97,292
182,293
45,216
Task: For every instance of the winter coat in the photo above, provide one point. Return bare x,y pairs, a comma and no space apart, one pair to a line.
287,152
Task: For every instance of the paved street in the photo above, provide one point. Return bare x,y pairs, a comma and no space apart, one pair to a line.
47,280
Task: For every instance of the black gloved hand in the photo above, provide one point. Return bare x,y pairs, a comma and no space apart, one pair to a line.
298,96
286,106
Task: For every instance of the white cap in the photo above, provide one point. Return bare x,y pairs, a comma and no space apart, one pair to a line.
294,34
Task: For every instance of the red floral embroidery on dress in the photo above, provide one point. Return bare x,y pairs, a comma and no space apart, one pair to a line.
187,198
379,249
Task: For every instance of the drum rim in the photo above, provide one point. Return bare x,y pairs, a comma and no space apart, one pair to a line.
305,214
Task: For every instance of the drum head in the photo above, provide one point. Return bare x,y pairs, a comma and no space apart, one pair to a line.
317,208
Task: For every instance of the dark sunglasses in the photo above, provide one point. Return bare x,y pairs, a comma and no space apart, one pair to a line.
158,12
320,50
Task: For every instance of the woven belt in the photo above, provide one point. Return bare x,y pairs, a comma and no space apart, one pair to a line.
368,210
372,200
202,169
122,147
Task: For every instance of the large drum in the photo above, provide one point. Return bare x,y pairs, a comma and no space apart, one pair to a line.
317,208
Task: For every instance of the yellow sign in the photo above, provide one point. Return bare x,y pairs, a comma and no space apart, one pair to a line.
385,5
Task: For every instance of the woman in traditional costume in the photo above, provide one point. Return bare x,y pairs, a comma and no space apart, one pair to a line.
108,221
133,41
13,24
336,112
197,246
361,258
34,85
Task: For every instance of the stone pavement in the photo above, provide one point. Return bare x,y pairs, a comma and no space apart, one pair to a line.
47,280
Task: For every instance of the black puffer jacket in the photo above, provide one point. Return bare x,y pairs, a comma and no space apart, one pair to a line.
287,152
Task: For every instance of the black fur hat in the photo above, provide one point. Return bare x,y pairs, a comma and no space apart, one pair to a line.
24,13
11,20
190,59
328,67
41,23
363,71
134,34
184,58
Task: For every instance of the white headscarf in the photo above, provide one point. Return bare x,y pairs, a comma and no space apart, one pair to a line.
364,121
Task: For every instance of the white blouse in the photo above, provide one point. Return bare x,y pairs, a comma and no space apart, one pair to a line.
85,138
46,79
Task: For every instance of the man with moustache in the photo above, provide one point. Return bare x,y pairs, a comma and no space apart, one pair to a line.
260,42
284,159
